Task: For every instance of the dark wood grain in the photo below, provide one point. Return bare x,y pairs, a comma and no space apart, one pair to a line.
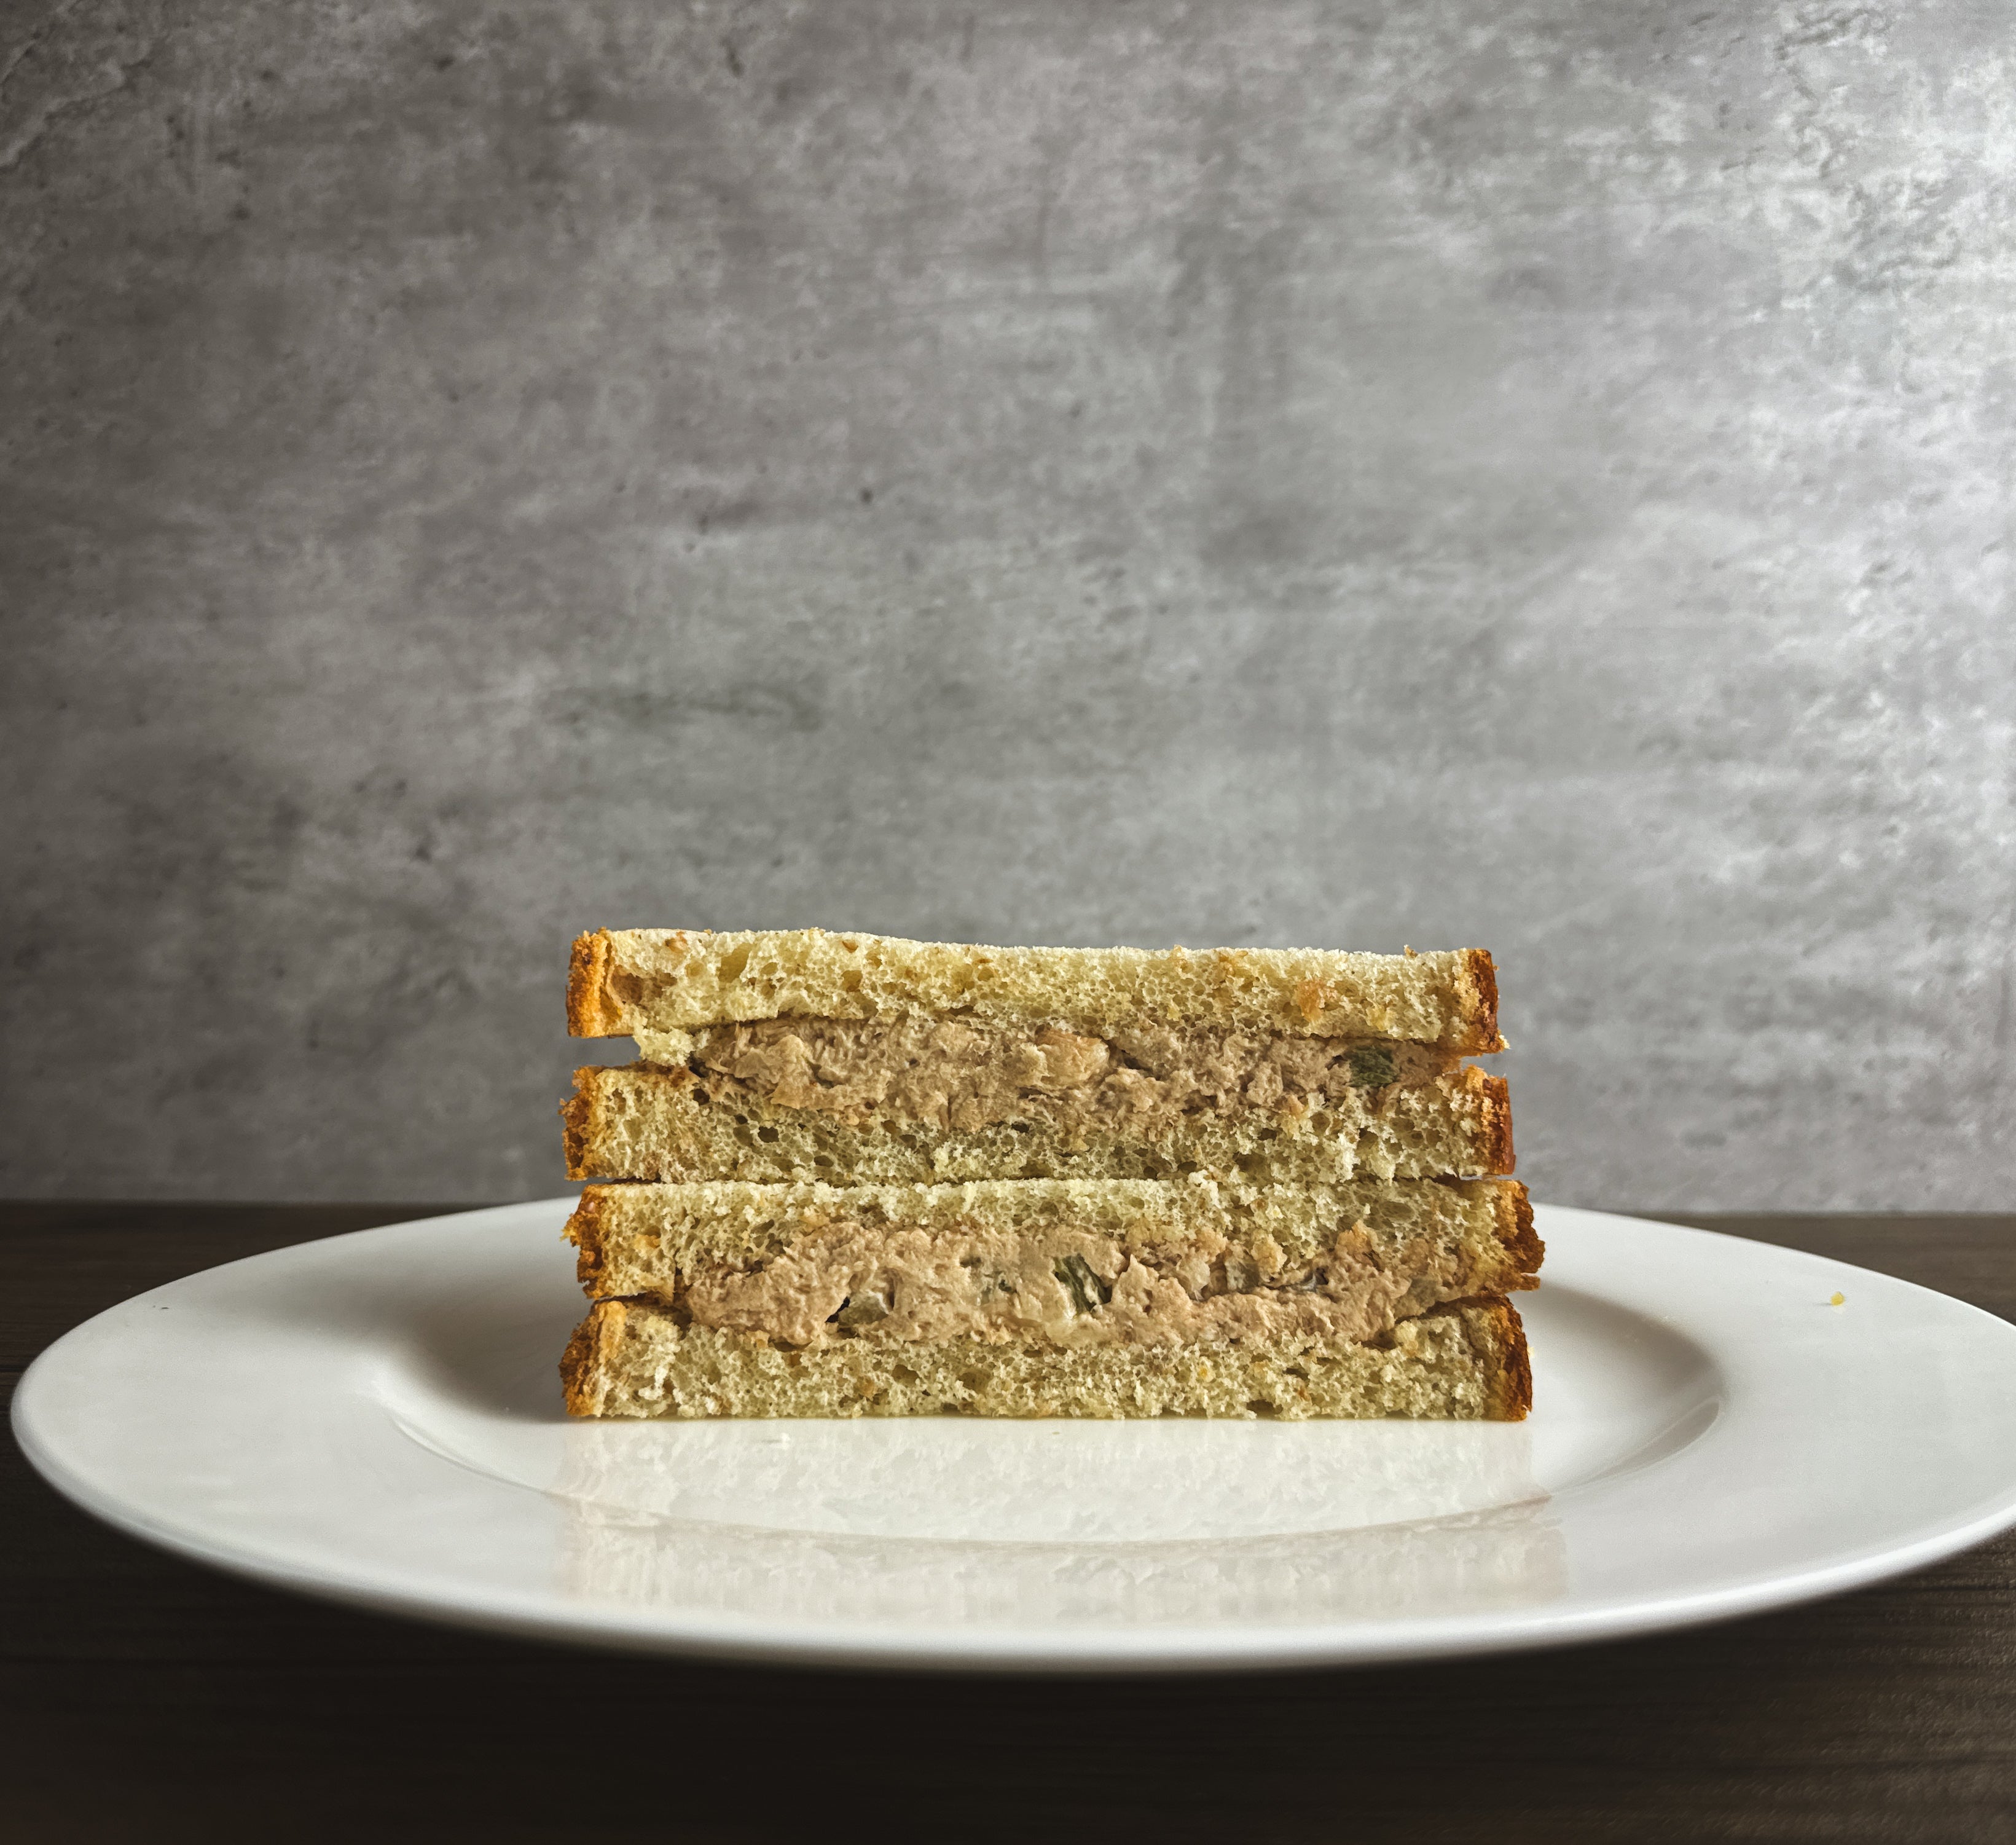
144,1698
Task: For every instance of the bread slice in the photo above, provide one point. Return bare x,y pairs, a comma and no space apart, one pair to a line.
632,980
1465,1360
642,1122
1066,1263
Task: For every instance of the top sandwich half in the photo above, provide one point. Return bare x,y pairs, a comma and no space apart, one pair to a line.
801,1055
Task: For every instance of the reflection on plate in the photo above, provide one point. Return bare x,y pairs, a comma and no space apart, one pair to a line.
1511,1558
887,1516
950,1480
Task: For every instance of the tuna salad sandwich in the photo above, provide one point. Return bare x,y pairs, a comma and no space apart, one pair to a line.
851,1175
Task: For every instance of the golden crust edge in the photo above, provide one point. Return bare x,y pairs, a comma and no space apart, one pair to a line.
1495,1104
1498,1336
590,1356
593,1011
1484,976
579,1133
1514,1401
585,1231
1516,1232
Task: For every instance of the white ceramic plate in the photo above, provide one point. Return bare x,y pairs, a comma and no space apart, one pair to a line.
376,1418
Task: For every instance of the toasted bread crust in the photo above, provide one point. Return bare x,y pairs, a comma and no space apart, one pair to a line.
1498,1335
578,1126
1495,1097
1484,981
1513,1369
1516,1231
628,980
593,1011
591,1357
584,1230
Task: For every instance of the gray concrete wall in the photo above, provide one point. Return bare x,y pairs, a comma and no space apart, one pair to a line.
1532,473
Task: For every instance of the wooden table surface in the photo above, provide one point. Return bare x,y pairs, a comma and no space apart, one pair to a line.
148,1698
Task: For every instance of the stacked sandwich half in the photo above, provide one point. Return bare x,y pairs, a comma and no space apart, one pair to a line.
851,1175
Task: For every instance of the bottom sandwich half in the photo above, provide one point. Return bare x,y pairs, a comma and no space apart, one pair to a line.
1462,1360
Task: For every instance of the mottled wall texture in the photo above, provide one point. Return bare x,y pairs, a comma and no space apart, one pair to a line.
1531,473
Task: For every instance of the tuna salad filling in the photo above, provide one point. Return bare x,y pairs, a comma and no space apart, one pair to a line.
1064,1287
958,1075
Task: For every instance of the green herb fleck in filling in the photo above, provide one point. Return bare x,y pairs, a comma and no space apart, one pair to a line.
1088,1293
1372,1066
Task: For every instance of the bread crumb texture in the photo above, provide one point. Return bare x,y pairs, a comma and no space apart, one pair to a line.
625,981
1465,1362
